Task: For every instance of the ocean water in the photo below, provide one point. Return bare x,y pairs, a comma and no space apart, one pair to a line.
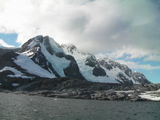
23,107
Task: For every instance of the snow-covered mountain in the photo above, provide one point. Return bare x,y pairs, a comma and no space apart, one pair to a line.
122,73
42,57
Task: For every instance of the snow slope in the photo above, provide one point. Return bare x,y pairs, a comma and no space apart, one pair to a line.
43,44
27,64
17,73
86,71
59,64
116,70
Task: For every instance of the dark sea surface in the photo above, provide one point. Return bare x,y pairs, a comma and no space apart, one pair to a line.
23,107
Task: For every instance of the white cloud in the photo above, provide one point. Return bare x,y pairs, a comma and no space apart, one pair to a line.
152,57
129,53
134,65
105,25
2,43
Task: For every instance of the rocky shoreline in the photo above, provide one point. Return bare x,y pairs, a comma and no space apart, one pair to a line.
86,94
110,95
82,89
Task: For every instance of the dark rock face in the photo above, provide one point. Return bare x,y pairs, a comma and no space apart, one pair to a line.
60,54
105,64
70,48
72,70
48,45
98,71
26,47
7,83
3,76
126,69
6,59
91,61
5,50
124,79
139,77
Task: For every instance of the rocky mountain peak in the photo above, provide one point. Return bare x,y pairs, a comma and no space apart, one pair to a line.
41,42
70,49
125,73
31,43
139,77
110,64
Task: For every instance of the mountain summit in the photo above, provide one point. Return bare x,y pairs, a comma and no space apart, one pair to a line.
42,57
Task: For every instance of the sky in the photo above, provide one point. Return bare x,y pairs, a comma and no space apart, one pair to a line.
124,30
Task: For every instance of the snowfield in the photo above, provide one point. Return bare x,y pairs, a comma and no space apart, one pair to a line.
151,95
59,64
27,64
86,70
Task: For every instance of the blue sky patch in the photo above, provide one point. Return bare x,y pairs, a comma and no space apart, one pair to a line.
9,38
151,75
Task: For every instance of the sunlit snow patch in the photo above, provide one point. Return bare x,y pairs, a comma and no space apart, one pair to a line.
59,64
26,63
17,73
151,95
